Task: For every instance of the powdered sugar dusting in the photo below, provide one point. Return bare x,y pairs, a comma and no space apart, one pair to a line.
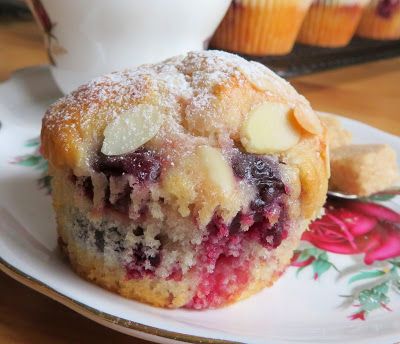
180,87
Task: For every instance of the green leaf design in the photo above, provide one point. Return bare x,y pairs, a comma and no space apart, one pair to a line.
320,266
307,253
36,160
366,274
42,165
382,196
382,288
300,270
374,298
386,280
395,262
44,182
379,198
29,160
377,297
396,285
35,142
304,255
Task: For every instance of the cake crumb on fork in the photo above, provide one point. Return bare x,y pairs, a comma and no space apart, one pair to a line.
363,169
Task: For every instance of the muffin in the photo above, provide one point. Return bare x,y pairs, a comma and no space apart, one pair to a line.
381,20
331,23
186,183
261,27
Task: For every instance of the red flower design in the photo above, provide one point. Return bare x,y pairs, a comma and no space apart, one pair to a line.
300,264
359,315
352,227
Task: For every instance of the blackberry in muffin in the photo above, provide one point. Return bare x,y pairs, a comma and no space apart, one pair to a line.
186,183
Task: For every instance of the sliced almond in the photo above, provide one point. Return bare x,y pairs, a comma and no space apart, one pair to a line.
308,119
131,129
218,171
259,76
269,128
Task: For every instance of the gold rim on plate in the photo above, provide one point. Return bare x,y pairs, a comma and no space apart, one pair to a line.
102,318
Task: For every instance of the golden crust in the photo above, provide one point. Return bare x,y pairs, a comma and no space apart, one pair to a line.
314,170
215,92
74,125
205,95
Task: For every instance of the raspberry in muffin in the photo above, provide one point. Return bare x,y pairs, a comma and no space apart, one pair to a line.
186,183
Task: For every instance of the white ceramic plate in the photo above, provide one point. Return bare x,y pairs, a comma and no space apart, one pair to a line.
296,309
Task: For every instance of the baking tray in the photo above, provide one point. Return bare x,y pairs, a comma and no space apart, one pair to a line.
306,59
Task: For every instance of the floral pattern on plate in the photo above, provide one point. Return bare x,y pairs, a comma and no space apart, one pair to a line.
36,160
357,227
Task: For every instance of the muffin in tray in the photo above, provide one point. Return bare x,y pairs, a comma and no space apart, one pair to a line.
331,23
261,27
381,20
186,183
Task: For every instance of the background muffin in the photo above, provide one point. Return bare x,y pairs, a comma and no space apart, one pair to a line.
261,27
186,183
381,20
331,23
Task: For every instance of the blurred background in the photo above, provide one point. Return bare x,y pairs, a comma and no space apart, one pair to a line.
293,38
337,55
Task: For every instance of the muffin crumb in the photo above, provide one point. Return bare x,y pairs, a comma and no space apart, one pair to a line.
337,135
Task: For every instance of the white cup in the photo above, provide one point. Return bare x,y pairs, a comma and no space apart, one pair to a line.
87,38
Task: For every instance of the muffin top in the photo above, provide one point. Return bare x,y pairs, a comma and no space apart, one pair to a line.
203,97
199,107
